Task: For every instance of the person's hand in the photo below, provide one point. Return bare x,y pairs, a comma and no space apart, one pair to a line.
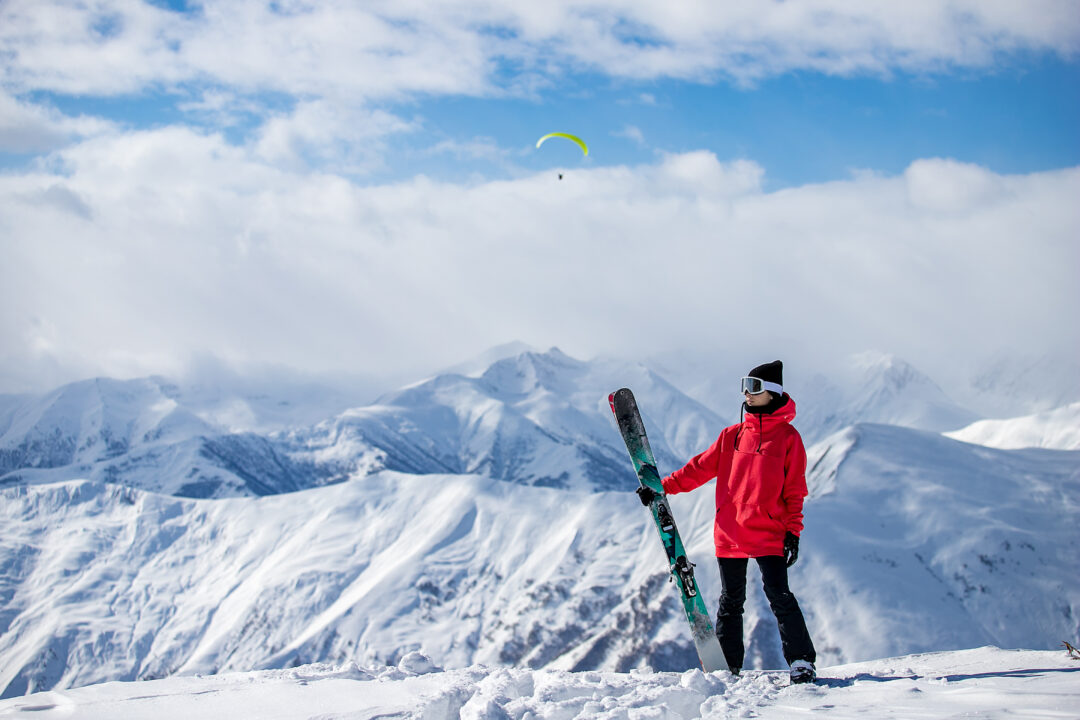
646,494
791,548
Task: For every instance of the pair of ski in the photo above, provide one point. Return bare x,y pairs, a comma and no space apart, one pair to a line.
632,429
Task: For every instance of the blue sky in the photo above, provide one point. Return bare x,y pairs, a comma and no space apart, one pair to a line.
802,127
242,180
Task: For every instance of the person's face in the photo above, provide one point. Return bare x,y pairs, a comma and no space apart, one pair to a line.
760,400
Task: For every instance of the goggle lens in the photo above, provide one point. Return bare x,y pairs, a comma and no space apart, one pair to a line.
753,386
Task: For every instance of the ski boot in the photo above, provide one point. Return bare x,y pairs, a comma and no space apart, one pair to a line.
802,671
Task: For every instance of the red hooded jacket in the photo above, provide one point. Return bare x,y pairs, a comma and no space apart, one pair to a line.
760,466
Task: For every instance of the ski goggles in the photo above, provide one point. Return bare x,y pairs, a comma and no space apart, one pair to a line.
756,386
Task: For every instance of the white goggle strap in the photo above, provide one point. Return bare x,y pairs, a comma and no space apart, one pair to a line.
773,387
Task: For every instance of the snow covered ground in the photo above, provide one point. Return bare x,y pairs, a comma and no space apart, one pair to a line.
987,683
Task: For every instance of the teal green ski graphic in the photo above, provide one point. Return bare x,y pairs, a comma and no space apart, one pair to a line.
632,429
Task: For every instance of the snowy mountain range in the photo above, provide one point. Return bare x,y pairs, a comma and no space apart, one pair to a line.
532,418
139,433
483,516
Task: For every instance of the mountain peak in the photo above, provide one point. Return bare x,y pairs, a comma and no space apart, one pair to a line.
887,370
531,371
877,387
478,364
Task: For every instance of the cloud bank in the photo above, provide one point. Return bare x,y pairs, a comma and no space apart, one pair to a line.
132,253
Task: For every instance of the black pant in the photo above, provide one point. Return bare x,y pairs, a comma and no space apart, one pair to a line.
729,619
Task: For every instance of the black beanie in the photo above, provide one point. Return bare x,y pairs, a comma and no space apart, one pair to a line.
769,372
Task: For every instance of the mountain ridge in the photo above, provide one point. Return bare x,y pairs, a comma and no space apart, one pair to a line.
531,417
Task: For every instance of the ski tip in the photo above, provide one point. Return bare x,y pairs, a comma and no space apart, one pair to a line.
622,393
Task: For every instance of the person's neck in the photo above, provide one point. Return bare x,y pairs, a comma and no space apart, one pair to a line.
772,406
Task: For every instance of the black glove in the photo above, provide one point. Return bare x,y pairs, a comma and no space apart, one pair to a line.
646,494
791,548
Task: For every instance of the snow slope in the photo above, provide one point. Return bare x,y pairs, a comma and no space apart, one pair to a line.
1058,429
985,682
104,582
916,542
913,543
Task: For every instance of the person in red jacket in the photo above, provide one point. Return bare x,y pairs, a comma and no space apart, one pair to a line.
760,470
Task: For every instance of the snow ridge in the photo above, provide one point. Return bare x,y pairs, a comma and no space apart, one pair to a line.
1056,429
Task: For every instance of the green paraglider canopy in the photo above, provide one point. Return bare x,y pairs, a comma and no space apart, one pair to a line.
572,138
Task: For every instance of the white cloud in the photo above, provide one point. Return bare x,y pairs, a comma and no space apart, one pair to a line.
34,128
336,49
338,137
100,47
699,173
949,186
221,108
480,148
186,245
631,133
393,49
